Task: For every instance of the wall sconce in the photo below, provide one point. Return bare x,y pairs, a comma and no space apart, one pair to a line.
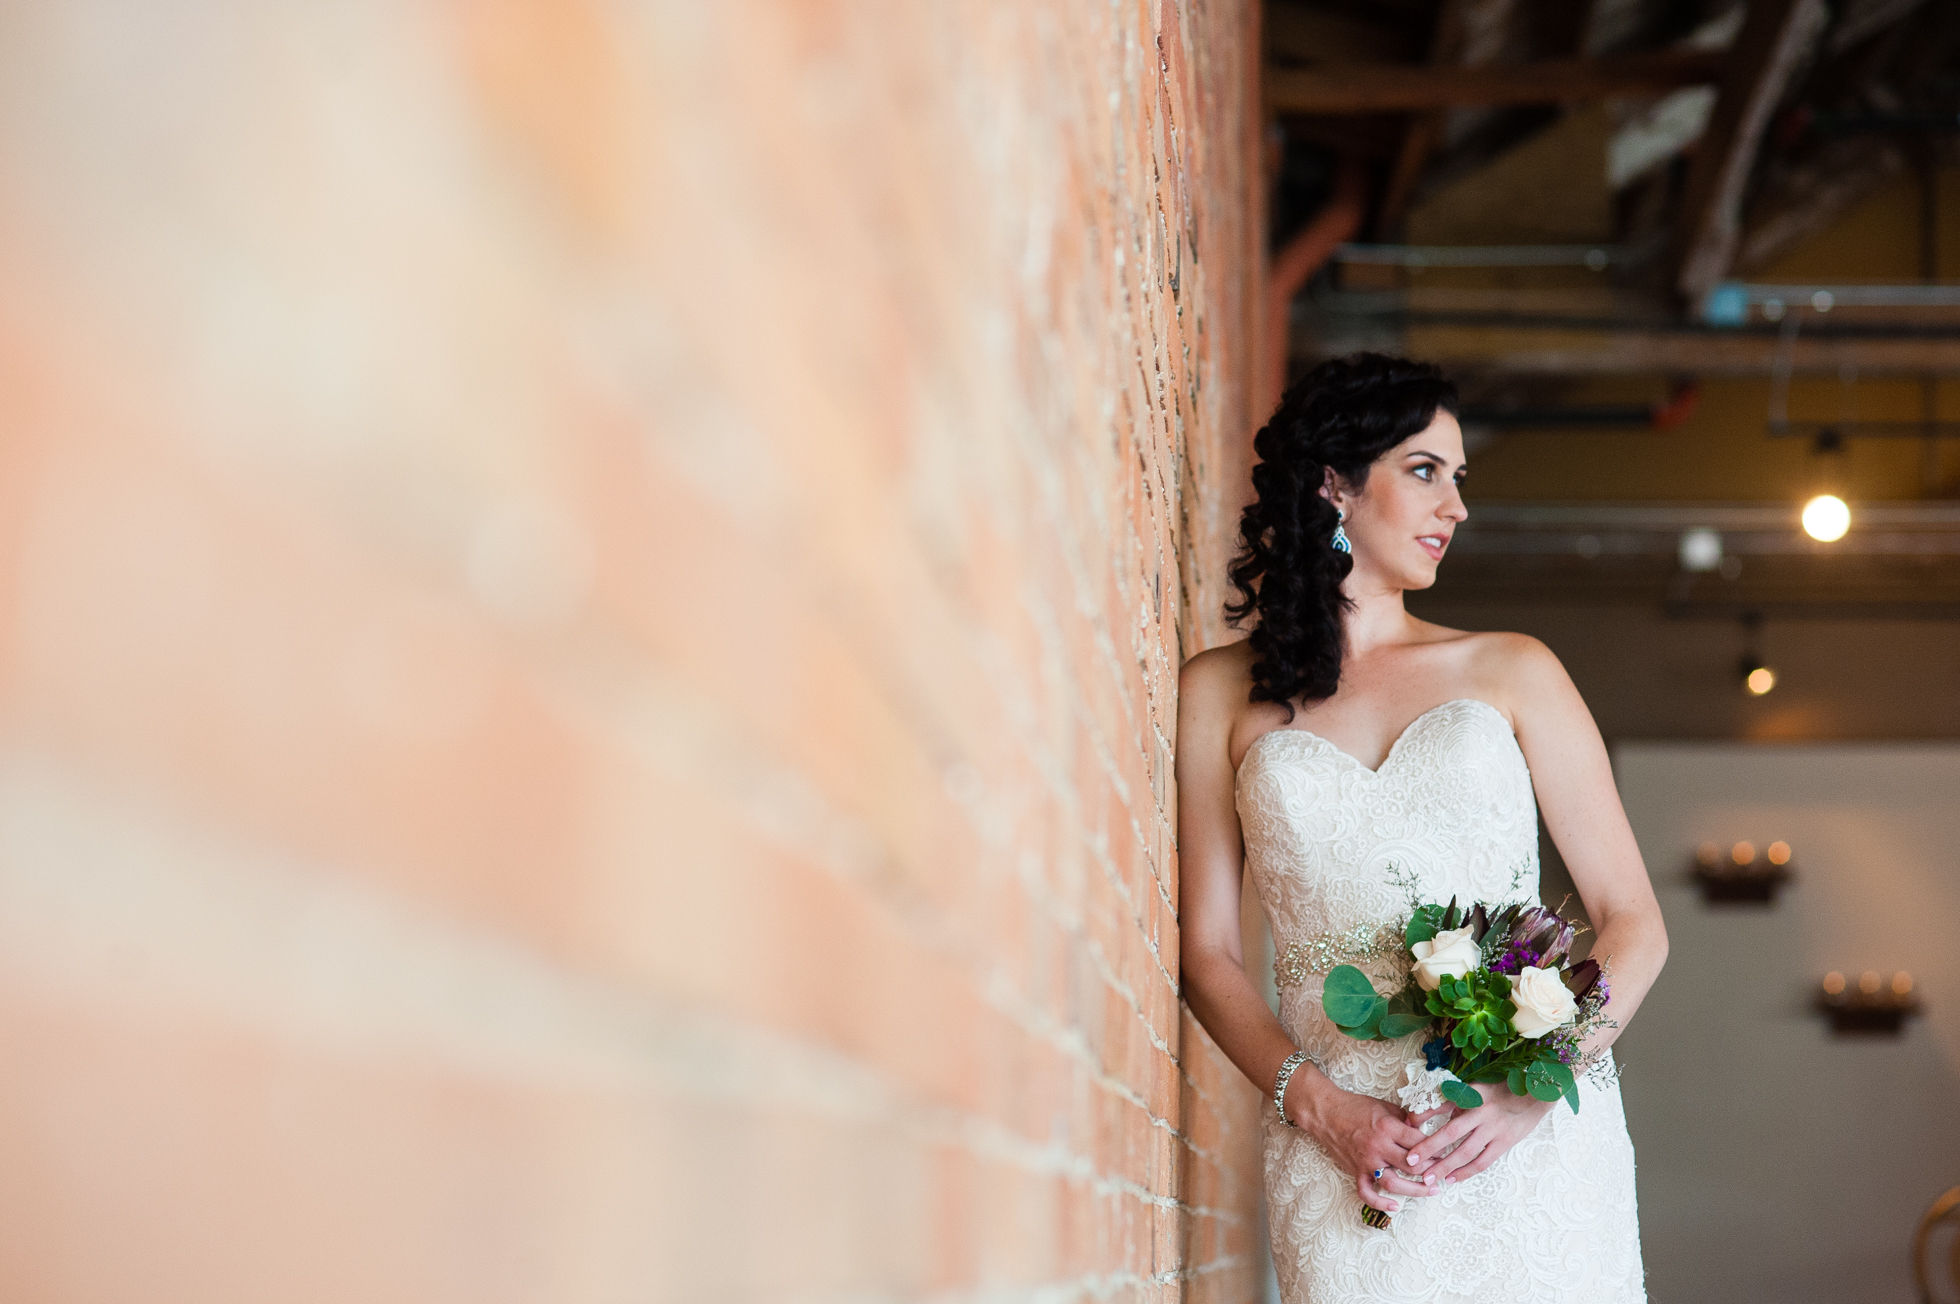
1869,1005
1741,876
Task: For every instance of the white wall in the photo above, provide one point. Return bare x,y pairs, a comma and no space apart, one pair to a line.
1777,1163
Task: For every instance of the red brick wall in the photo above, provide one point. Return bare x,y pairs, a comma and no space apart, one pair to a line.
590,597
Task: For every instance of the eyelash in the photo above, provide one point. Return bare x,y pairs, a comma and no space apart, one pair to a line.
1428,472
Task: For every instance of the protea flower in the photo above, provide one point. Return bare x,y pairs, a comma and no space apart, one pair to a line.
1538,938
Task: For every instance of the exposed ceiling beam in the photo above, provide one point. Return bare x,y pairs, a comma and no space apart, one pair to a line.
1298,34
1407,89
1803,201
1424,133
1775,37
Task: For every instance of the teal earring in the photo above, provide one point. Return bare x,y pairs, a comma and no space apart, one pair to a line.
1341,543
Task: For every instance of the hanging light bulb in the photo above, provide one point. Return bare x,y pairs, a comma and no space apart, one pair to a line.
1826,518
1757,677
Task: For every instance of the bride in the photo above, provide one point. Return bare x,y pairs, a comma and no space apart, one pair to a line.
1348,754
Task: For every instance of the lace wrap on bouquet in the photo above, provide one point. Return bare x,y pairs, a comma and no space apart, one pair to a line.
1336,850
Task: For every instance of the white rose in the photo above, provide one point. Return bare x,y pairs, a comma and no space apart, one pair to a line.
1449,954
1543,1000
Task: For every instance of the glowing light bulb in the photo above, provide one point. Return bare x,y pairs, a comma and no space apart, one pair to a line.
1901,983
1708,855
1868,982
1761,680
1826,518
1779,853
1834,983
1743,853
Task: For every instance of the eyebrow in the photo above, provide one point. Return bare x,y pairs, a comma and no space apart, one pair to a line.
1437,458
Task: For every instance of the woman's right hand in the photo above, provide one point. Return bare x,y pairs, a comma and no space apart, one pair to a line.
1363,1136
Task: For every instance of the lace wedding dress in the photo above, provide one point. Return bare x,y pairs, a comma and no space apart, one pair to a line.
1326,839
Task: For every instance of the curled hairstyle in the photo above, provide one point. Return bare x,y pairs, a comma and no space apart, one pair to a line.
1342,415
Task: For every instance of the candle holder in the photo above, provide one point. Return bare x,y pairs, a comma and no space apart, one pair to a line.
1869,1005
1742,876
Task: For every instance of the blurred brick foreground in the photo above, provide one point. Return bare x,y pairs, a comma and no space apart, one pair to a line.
592,595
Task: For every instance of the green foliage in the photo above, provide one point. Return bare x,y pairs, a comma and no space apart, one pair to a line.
1461,1094
1401,1025
1479,1008
1352,1005
1349,997
1423,925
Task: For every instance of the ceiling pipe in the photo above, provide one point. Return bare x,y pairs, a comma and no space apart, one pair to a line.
1676,409
1597,257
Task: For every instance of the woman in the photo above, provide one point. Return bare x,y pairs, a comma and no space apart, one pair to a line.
1347,752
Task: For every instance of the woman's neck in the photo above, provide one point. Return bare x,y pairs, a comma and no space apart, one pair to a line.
1377,618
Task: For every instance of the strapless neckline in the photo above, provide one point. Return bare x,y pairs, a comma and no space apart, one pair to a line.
1394,747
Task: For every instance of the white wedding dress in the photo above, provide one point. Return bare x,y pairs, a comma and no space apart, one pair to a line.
1451,808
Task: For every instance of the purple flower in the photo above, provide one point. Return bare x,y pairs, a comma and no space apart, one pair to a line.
1514,959
1543,933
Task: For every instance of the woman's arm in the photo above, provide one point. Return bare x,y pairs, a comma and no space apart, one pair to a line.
1361,1134
1574,783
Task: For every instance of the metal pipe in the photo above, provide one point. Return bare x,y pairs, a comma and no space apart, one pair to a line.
1596,257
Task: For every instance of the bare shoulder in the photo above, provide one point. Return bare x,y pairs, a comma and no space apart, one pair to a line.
1219,674
1510,657
1524,678
1212,691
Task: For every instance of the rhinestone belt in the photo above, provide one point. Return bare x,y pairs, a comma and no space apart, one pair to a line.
1321,952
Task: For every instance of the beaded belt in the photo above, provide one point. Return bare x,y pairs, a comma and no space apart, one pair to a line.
1323,951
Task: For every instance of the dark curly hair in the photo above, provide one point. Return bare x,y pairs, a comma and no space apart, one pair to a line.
1343,414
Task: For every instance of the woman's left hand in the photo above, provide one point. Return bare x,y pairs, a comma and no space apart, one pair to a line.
1481,1135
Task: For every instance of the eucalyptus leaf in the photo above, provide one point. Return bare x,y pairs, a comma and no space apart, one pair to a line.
1401,1025
1515,1080
1568,1086
1542,1089
1422,925
1349,998
1461,1094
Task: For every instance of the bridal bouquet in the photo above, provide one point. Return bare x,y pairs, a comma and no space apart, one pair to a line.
1498,995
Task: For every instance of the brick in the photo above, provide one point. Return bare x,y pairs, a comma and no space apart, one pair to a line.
616,576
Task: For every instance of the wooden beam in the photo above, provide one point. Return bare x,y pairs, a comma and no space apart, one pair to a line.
1302,256
1378,89
1800,202
1297,34
1425,130
1775,36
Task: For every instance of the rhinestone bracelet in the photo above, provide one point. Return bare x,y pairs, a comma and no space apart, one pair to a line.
1293,1061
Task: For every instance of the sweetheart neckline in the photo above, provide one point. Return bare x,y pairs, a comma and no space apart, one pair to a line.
1387,757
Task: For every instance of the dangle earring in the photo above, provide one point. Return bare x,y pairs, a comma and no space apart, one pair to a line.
1341,543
